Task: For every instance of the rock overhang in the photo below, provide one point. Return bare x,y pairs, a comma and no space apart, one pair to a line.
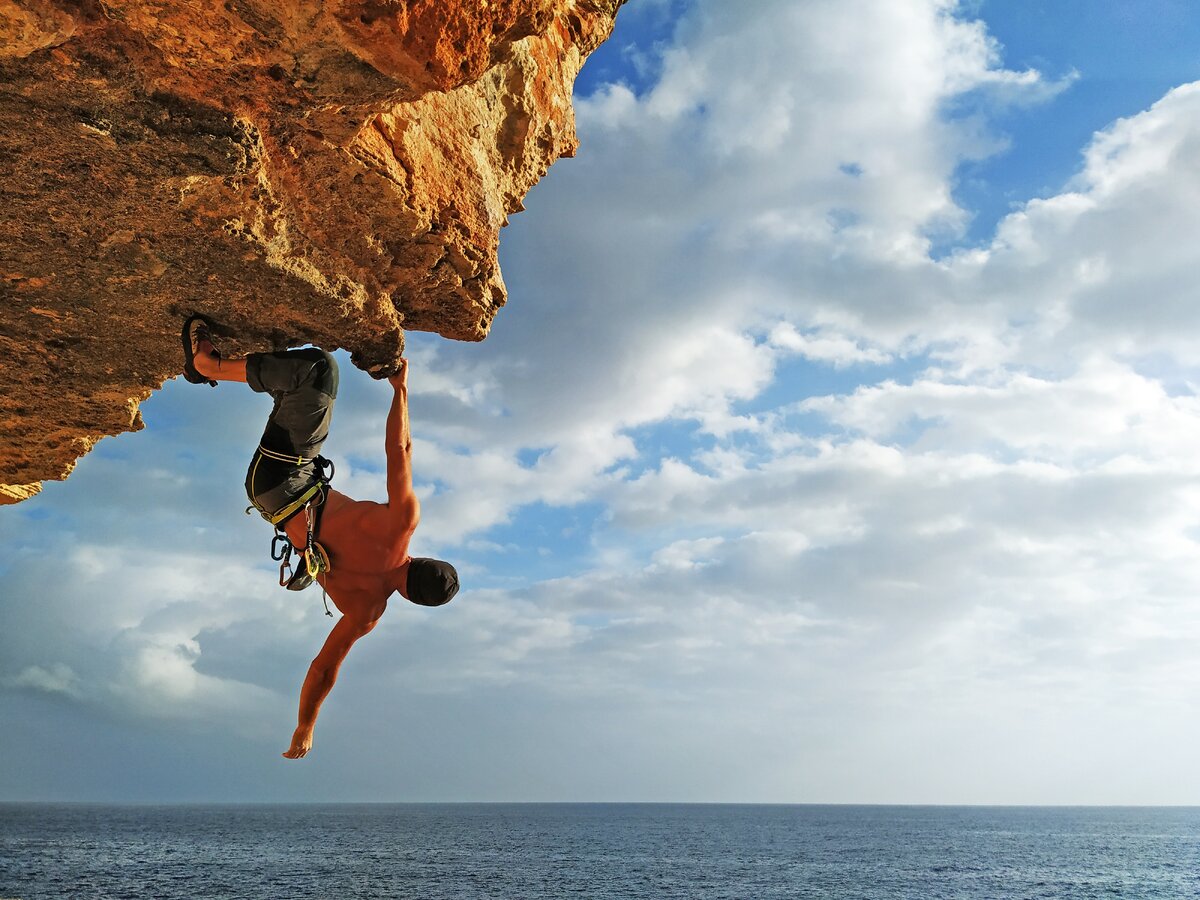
301,171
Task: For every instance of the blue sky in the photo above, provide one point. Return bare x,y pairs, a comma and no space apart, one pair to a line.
836,445
1126,57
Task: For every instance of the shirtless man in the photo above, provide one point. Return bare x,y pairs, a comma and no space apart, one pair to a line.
366,543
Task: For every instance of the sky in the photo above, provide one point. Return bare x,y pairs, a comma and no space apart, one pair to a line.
837,444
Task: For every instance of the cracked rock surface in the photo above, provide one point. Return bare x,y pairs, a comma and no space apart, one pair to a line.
325,171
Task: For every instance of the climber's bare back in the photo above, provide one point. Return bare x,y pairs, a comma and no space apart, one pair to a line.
368,542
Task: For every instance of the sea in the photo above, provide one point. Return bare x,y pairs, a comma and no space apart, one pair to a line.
601,850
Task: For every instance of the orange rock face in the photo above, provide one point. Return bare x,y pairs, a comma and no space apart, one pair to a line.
325,171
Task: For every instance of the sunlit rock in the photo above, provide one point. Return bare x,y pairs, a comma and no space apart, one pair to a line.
326,171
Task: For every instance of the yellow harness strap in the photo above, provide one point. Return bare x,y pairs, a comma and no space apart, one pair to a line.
295,505
314,557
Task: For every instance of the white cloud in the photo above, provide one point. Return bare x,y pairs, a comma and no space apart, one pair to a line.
1102,268
129,620
874,576
57,678
835,349
1105,410
674,266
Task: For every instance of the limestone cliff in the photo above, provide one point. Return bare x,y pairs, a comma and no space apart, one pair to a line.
333,171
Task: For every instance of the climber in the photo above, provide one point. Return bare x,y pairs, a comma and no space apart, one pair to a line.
356,549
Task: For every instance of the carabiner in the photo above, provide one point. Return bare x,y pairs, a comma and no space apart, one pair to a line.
281,553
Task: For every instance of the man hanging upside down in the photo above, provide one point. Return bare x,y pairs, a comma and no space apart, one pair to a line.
356,549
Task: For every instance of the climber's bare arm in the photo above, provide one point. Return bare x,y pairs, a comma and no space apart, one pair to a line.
398,442
323,673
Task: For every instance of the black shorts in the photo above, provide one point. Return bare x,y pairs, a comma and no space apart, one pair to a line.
304,385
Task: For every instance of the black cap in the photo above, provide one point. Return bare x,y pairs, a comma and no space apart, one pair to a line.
431,582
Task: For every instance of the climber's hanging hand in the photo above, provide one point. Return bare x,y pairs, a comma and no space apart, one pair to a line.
400,379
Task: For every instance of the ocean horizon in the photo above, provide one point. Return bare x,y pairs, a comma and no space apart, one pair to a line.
596,849
121,803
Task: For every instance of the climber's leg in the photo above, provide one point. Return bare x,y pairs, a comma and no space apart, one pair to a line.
201,362
212,365
303,383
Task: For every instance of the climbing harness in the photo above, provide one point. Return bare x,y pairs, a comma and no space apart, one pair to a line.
280,516
313,559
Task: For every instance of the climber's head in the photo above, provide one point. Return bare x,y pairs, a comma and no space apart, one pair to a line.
431,582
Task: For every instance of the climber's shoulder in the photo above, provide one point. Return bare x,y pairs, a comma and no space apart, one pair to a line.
343,513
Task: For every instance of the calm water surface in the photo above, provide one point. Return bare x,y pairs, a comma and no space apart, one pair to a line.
534,851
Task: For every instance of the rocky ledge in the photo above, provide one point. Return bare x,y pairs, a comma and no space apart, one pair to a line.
325,171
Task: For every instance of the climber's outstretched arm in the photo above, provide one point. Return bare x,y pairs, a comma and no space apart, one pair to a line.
398,444
323,673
